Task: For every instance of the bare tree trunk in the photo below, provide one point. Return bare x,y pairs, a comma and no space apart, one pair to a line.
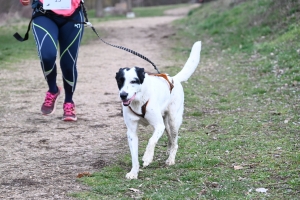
129,13
99,8
129,6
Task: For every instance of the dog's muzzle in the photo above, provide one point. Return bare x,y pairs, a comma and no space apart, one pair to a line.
125,100
123,95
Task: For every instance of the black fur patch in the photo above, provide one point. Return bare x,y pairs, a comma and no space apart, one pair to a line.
120,78
140,73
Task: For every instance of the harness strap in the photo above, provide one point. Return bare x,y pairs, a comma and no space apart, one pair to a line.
143,110
165,77
145,105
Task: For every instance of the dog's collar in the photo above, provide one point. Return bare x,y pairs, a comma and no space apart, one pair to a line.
143,110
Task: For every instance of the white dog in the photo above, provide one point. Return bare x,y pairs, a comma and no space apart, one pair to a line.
155,99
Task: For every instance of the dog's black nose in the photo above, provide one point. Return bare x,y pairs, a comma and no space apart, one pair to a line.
123,95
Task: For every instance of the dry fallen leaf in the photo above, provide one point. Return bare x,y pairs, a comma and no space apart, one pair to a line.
202,192
80,175
134,190
262,190
237,167
214,184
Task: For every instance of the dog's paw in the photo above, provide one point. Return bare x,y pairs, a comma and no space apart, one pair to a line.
170,162
147,160
131,175
145,164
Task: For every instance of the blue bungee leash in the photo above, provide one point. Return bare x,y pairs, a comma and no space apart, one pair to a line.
123,48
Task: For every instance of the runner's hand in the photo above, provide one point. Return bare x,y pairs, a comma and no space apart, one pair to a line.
25,2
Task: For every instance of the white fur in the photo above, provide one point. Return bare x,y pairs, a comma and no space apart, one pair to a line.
164,110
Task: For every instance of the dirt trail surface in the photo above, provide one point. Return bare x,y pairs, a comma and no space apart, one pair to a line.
40,156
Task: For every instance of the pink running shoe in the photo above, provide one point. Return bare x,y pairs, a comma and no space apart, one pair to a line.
69,112
49,104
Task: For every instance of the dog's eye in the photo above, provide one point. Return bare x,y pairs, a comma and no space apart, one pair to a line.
135,81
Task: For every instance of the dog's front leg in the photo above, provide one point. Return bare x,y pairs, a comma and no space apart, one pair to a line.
133,145
149,153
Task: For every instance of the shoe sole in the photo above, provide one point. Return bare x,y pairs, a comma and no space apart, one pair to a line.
69,119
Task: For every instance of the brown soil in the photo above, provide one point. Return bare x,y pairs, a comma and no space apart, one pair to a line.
41,156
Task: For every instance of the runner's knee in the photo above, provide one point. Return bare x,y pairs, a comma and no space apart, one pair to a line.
48,59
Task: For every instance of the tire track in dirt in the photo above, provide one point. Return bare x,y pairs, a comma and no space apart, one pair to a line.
40,156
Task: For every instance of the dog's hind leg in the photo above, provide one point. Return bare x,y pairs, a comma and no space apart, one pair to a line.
159,129
168,131
133,145
174,123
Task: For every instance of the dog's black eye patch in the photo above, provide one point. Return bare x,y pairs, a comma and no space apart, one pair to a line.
135,81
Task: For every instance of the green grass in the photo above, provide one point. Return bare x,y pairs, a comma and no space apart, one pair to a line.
12,50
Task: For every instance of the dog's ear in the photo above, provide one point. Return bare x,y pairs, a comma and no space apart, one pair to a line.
120,78
118,74
140,73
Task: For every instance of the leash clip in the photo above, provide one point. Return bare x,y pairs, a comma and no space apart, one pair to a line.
89,24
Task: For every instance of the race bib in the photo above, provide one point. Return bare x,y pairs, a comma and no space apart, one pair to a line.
57,4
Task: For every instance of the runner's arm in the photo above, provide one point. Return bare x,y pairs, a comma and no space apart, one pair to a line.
25,2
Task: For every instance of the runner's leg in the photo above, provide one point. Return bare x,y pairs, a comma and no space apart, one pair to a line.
69,40
45,33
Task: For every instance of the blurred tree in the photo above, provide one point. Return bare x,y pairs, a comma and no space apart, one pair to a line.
90,4
9,6
99,8
157,2
15,5
129,6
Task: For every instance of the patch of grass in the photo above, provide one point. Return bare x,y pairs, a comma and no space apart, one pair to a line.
12,50
261,121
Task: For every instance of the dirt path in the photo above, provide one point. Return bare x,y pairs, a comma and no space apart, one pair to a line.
40,156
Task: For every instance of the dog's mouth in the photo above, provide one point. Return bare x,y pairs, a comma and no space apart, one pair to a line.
128,101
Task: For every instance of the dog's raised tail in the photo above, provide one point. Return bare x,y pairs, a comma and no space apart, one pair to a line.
191,64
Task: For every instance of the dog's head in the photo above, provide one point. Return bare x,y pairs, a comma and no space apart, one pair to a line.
129,81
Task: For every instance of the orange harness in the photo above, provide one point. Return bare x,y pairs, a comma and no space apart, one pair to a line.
145,105
165,77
